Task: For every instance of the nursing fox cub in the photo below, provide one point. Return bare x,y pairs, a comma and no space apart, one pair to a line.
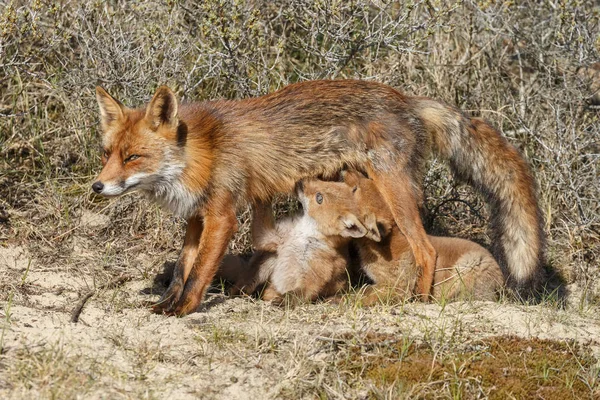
305,256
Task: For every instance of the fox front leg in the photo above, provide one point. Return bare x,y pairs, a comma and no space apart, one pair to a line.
220,224
184,265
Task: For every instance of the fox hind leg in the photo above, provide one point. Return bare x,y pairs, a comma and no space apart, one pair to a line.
400,193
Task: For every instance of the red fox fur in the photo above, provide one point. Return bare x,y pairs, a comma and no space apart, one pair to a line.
204,160
463,268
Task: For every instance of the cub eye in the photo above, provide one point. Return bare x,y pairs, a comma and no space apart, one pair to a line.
106,154
319,198
132,157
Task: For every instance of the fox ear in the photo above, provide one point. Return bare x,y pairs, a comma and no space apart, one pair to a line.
370,222
352,227
351,178
162,108
111,109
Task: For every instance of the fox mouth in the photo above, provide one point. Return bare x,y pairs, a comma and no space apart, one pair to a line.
131,188
112,191
121,187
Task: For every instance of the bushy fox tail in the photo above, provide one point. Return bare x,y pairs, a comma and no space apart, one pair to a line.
482,157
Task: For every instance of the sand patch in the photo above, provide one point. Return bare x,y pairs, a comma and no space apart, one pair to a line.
93,220
14,257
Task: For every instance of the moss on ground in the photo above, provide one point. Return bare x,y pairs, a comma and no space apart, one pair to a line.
496,368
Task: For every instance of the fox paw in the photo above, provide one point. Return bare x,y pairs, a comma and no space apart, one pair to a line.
278,302
422,290
169,299
186,305
191,298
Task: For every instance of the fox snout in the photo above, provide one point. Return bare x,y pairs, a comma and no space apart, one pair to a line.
118,187
98,187
299,190
109,189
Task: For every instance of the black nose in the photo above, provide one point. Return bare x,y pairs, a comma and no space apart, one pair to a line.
98,186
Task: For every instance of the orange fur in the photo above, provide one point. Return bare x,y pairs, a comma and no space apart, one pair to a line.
316,261
300,258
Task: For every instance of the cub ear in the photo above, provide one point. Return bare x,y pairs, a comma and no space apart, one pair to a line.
370,222
111,109
352,178
162,108
352,227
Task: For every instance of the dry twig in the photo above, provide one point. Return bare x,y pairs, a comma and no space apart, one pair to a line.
109,285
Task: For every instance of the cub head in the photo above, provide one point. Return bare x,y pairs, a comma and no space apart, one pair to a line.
139,145
378,217
333,206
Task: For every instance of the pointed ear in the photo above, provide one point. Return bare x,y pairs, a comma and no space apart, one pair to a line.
370,223
351,178
111,109
352,227
162,108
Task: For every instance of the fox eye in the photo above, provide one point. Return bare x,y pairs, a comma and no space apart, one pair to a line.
319,198
106,154
132,157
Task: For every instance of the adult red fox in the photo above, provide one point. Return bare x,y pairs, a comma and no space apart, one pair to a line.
204,160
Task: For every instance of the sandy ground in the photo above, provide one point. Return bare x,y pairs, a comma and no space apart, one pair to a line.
234,348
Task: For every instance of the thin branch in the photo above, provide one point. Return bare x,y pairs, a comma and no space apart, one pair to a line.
109,285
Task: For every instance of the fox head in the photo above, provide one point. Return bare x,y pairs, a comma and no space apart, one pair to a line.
334,208
140,148
378,217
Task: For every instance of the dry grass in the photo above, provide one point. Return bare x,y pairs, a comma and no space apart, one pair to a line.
526,66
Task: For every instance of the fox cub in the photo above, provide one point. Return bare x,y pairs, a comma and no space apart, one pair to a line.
304,257
463,268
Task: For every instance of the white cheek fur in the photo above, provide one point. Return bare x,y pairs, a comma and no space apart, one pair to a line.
168,191
135,179
163,186
111,189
